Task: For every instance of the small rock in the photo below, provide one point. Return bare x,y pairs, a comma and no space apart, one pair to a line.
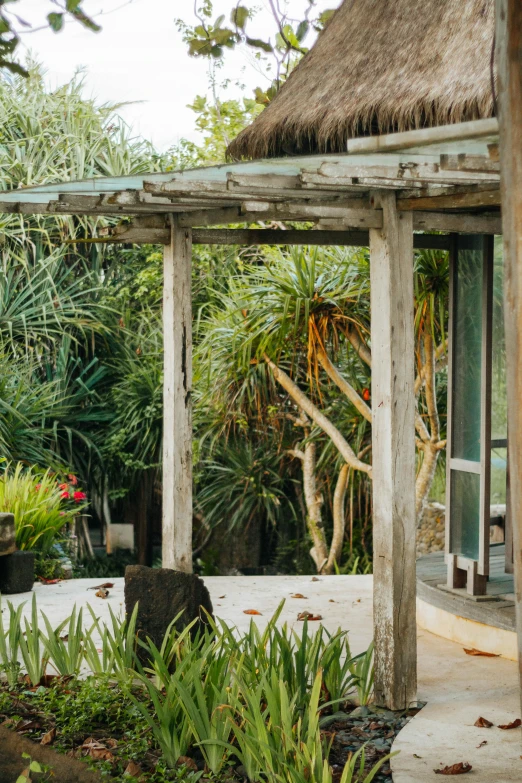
360,712
327,720
162,594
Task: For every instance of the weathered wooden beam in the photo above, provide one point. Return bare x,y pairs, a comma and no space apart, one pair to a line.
508,39
463,222
130,234
177,400
253,211
463,162
460,222
462,200
267,236
344,173
389,142
393,439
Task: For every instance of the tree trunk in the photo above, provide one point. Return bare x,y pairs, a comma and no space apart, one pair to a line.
314,501
339,521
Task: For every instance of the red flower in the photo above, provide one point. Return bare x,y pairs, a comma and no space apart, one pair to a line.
79,496
37,487
366,395
72,478
63,486
65,495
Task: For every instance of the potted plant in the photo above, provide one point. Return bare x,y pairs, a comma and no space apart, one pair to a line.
42,506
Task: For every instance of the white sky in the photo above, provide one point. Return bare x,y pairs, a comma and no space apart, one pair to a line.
140,56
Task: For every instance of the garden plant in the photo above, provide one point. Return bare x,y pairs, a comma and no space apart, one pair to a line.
259,705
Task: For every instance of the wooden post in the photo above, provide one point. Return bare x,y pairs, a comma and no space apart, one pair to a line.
508,58
393,440
177,402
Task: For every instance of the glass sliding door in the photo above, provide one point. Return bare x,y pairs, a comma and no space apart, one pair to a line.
469,412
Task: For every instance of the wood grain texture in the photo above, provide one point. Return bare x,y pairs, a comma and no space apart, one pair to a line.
508,57
177,400
393,409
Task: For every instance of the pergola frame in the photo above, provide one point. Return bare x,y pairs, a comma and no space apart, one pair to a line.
379,193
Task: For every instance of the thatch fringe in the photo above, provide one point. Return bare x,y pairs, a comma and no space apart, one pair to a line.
380,66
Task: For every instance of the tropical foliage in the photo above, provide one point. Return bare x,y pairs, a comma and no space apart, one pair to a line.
282,371
254,700
41,505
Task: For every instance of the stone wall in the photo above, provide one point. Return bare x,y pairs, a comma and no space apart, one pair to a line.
430,532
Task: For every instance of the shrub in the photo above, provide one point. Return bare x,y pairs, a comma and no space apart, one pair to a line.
39,506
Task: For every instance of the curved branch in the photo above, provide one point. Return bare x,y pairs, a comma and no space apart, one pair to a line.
318,417
339,522
441,350
359,345
347,389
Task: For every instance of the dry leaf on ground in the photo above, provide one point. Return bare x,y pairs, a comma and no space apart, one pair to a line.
102,592
483,723
251,611
133,770
455,769
309,616
315,579
221,596
473,651
48,738
105,585
97,750
298,595
484,742
514,725
186,761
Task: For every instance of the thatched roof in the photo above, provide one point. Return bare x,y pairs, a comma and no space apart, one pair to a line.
380,66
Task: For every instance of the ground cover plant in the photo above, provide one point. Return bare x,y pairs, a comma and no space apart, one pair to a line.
273,704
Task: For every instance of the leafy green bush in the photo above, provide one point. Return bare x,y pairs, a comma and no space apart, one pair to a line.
38,504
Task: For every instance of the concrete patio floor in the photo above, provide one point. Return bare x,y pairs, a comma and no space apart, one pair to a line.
458,688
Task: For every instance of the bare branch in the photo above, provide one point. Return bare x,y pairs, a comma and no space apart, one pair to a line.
339,521
318,417
347,389
360,346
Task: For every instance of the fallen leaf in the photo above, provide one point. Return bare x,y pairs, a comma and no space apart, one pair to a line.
105,585
251,611
456,769
48,738
101,754
473,651
101,593
65,638
514,725
298,595
97,750
331,601
482,723
186,761
48,581
309,616
484,742
221,596
133,770
315,579
111,742
416,757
